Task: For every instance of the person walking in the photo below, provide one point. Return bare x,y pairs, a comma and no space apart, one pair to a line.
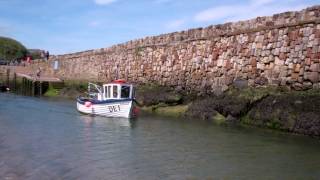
38,73
47,55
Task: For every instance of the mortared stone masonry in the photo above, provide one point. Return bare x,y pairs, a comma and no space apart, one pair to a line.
279,50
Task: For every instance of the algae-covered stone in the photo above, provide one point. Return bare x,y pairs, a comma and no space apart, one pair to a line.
219,119
233,104
296,112
164,110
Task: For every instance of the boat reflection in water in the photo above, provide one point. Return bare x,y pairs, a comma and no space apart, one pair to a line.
106,121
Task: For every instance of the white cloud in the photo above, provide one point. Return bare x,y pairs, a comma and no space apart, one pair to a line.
104,2
94,23
265,11
247,11
219,13
176,24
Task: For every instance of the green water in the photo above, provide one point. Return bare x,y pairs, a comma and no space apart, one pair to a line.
48,139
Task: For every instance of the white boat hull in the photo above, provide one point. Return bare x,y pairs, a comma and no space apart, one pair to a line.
108,109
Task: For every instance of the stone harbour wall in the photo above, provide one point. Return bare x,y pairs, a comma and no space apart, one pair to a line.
280,50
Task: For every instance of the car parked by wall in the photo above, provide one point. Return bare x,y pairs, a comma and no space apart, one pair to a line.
3,62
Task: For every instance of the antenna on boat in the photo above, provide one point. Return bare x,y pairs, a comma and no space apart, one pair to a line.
117,71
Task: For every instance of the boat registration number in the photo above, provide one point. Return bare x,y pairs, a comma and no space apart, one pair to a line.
114,108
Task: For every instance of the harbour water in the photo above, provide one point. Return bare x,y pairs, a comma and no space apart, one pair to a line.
48,139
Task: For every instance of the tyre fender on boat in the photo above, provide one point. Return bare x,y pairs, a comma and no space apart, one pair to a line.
87,104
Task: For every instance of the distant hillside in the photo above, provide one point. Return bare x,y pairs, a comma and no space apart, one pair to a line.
11,49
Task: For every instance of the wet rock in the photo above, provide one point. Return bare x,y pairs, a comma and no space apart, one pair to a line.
231,104
290,112
240,83
261,81
231,119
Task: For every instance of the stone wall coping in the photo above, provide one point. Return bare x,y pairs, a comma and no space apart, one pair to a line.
306,16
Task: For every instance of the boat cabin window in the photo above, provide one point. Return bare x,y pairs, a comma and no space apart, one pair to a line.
125,91
108,92
111,91
115,91
94,90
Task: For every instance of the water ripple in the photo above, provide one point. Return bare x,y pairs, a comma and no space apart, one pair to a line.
41,138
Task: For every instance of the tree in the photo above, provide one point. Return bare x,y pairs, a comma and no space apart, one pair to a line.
11,49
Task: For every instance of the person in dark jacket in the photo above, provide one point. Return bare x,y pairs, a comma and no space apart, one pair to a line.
47,55
38,73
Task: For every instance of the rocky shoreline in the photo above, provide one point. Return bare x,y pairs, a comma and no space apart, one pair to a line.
267,107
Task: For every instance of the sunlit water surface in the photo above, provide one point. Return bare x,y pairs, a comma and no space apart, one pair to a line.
48,139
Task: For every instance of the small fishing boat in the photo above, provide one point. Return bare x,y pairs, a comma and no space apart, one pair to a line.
115,99
4,88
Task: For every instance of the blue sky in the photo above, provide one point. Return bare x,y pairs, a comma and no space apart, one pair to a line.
66,26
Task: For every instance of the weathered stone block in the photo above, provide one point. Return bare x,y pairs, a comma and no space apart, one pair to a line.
253,62
316,60
215,55
301,71
260,66
291,65
227,64
282,56
297,86
220,62
317,33
271,66
312,76
315,67
278,61
294,76
228,80
307,61
259,46
261,81
296,68
283,49
266,60
275,73
276,51
307,85
293,35
283,72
